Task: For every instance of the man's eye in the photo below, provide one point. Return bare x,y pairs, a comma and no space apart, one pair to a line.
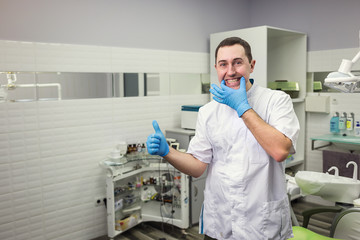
238,63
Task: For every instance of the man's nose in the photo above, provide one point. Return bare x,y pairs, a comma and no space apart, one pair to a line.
231,70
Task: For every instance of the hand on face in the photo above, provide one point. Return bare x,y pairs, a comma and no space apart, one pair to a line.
234,98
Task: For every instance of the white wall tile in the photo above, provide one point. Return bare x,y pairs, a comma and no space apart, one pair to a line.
17,56
49,151
318,124
139,60
7,231
19,183
330,60
6,208
70,58
28,56
6,187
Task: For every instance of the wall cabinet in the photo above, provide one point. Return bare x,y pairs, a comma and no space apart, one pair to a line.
145,189
280,54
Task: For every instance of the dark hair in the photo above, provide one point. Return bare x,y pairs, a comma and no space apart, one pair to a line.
232,41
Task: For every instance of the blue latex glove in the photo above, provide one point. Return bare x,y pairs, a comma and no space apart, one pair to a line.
156,142
234,98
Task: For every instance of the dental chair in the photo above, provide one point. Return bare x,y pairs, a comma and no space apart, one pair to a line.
346,224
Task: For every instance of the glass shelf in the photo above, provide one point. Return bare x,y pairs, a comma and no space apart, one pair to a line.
331,138
128,163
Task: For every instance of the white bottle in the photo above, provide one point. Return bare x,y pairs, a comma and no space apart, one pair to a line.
357,129
342,123
350,123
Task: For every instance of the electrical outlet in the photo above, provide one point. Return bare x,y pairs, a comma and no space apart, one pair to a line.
100,201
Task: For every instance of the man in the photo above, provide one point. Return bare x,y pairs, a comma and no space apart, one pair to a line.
242,137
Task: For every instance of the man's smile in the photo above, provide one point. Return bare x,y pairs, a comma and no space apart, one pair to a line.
233,82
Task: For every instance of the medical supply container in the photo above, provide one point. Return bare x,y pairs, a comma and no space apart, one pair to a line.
334,124
189,116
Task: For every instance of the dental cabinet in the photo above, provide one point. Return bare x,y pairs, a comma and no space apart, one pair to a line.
144,188
280,54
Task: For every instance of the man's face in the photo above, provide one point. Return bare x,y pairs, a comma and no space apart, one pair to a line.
232,64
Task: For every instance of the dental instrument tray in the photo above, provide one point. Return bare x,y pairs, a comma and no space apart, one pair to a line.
291,88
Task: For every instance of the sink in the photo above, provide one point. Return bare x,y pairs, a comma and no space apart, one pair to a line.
329,187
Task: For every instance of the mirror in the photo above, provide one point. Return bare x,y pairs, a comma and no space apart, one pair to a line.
30,86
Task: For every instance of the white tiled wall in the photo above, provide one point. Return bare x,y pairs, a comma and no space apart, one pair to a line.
48,57
319,124
49,154
329,60
49,151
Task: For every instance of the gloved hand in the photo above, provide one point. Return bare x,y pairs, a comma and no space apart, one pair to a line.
156,142
234,98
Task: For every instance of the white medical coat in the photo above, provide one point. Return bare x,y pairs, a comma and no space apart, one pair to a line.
245,195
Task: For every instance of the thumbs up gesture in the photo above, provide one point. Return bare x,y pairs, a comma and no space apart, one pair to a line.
156,143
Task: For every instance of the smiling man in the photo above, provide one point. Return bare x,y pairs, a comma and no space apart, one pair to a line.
242,138
233,62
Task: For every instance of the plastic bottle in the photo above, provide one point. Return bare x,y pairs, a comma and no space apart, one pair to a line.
357,129
334,124
342,123
138,148
350,123
143,149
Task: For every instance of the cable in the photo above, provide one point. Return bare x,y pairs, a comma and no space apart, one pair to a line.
161,187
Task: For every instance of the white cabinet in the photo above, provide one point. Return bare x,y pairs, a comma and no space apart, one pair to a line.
145,189
280,54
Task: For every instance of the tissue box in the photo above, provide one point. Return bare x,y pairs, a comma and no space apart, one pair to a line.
189,116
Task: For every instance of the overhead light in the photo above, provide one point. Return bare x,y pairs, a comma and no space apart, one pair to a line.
343,80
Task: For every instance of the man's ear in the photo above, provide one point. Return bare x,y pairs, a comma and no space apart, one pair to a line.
252,65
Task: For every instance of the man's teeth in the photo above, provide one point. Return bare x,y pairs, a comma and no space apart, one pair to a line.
232,80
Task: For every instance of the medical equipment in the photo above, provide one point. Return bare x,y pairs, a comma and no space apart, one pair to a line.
345,225
189,115
343,80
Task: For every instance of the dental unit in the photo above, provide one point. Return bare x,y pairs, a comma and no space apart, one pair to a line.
355,172
336,171
343,80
